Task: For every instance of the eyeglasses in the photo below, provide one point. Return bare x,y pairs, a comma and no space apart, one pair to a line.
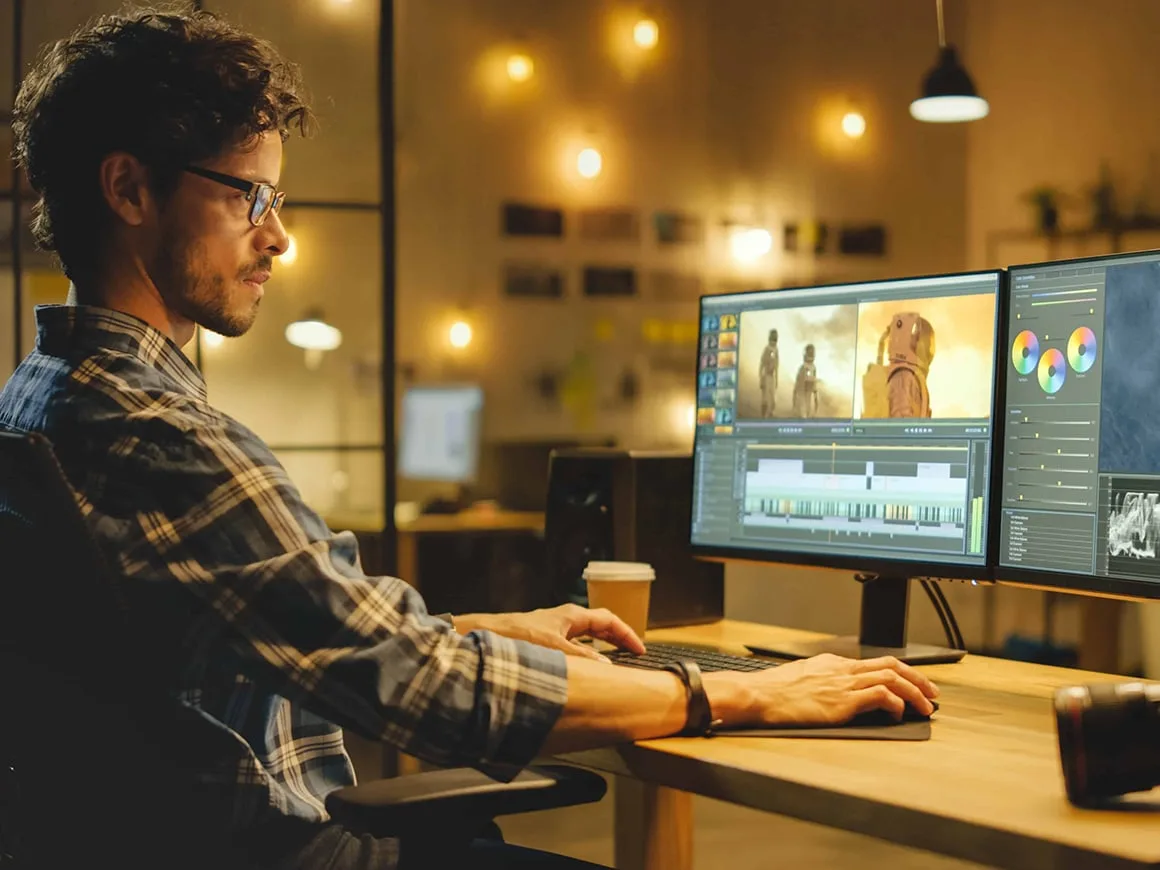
262,197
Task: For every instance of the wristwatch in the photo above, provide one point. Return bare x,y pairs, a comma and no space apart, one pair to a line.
699,721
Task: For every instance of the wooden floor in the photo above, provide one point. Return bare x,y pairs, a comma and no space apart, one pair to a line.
727,837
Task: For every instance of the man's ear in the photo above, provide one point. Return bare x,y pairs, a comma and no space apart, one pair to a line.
125,187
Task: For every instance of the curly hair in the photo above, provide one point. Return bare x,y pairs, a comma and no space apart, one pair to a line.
170,87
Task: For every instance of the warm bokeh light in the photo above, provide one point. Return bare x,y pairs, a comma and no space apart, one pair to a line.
290,255
520,67
750,243
313,334
460,334
589,163
645,33
211,339
691,415
853,125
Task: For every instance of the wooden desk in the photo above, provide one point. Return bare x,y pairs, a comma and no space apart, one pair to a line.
987,787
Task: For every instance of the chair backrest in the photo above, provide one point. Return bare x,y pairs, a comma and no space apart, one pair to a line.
82,719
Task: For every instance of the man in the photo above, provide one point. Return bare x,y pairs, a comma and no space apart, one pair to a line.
154,142
770,365
805,387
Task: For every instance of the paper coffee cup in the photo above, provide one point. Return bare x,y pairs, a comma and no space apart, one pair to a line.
623,588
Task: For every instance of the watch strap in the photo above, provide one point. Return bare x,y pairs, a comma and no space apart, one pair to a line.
699,721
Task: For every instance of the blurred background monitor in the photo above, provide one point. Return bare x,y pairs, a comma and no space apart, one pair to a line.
440,433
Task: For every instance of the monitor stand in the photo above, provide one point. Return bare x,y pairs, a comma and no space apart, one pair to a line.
882,631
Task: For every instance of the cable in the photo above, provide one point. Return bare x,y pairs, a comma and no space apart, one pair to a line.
960,643
927,587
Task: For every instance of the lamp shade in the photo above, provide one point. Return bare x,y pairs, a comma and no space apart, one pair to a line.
313,333
948,94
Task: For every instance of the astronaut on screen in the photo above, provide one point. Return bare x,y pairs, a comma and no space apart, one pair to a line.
768,372
895,385
805,388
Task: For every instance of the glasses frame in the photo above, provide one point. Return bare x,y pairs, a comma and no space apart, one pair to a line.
251,188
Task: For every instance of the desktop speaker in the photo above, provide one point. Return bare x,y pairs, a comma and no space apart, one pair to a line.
626,506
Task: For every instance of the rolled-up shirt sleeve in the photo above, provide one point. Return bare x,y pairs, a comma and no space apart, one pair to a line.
236,564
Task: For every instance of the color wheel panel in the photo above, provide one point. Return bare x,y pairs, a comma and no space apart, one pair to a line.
1025,352
1052,370
1081,349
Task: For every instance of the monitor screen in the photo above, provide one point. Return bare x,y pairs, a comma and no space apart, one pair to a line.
440,433
848,425
1081,458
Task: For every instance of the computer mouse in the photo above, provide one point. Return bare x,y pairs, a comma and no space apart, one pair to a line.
879,718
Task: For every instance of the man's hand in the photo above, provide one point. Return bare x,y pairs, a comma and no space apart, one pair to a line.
557,628
823,690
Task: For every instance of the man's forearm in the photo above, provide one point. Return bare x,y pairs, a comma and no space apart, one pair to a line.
609,704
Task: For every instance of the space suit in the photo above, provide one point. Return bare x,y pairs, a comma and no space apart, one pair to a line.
768,372
805,388
909,353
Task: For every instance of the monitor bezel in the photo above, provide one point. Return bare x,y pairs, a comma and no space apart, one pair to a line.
885,567
1057,581
444,387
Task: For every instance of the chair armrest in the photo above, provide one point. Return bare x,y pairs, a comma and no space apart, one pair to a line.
448,800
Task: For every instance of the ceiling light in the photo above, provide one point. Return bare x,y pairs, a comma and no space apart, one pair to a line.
520,68
460,334
646,33
589,163
290,255
948,94
750,243
313,333
211,339
853,124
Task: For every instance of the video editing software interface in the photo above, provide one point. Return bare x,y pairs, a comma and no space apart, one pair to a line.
851,420
1081,458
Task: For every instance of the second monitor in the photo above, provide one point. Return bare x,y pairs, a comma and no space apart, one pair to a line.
850,426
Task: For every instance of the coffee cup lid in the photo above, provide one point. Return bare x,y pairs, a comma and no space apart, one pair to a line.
619,571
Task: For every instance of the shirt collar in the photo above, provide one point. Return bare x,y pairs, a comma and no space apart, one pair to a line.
62,330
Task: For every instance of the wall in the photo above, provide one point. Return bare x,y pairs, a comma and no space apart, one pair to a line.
733,117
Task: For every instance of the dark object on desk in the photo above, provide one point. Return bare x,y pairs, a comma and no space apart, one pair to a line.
443,506
145,771
886,718
1109,739
909,731
658,656
626,506
515,473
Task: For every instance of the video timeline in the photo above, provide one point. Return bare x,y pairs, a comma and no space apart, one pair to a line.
863,495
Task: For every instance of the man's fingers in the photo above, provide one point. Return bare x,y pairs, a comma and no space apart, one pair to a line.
898,685
606,626
877,697
904,670
583,650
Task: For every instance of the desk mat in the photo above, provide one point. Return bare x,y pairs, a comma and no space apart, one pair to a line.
901,731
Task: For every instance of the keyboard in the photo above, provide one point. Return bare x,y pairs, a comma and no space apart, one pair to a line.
658,655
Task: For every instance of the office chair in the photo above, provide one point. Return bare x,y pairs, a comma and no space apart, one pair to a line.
80,768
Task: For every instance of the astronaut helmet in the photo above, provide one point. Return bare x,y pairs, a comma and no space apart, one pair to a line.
808,356
911,341
773,336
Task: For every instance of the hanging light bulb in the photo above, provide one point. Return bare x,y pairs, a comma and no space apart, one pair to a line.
646,34
854,124
520,67
948,94
290,255
750,243
312,332
459,334
589,163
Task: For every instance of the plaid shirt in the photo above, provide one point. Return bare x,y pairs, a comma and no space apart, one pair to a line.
260,616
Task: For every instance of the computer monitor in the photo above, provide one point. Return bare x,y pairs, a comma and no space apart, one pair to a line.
440,433
850,426
1081,454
